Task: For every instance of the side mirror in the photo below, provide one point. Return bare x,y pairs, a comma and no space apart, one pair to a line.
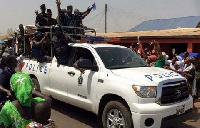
86,64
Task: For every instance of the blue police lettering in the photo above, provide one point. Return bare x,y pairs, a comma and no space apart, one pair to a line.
30,67
166,75
45,69
37,68
157,75
26,65
149,77
33,68
41,68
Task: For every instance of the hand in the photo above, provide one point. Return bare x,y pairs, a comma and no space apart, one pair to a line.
36,12
82,71
9,93
58,2
89,9
46,35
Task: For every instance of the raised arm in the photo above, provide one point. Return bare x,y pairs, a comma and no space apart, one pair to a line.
85,13
58,3
157,49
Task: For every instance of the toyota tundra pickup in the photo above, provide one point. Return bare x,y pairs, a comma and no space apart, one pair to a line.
116,84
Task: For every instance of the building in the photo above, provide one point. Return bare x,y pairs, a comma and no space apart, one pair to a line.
182,34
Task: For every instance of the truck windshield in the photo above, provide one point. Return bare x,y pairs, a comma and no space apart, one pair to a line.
118,58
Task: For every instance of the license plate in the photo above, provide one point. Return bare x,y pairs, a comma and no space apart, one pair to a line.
180,110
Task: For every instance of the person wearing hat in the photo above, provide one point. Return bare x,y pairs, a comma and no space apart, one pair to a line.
65,18
39,43
189,73
41,17
50,21
20,38
60,46
79,16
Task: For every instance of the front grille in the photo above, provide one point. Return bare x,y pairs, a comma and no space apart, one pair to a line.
174,92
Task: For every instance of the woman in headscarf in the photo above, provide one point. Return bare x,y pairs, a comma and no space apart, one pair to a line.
189,73
21,111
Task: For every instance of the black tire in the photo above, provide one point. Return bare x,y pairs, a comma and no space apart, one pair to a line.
36,84
120,106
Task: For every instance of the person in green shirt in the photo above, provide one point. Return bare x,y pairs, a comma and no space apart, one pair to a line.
160,62
20,112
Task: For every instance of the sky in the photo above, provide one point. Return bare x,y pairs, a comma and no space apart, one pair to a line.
122,14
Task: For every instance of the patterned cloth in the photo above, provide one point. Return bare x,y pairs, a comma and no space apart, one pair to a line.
34,124
21,85
10,116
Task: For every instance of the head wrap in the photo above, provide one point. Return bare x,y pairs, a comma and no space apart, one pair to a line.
180,63
22,85
179,58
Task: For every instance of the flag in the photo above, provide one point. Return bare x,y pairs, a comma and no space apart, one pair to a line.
94,7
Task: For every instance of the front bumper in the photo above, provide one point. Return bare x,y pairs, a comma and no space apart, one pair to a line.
159,114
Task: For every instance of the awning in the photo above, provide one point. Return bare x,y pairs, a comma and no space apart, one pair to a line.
1,42
191,54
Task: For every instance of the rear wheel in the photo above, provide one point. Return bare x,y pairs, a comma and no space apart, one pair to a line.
116,115
36,84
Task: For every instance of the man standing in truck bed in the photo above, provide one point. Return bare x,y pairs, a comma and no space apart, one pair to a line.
60,46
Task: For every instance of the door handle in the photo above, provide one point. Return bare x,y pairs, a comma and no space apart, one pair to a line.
71,73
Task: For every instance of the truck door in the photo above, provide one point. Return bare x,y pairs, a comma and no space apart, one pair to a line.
58,81
81,86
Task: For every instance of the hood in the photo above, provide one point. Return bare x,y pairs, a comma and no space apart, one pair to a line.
148,76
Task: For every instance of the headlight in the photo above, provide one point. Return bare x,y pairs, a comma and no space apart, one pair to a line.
145,91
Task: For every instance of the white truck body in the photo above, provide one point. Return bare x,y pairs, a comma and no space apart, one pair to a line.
88,90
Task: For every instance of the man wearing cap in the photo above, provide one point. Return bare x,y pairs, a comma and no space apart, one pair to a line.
65,18
41,17
38,46
60,46
79,16
50,21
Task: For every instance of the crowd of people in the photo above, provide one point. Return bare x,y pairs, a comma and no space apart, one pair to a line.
186,66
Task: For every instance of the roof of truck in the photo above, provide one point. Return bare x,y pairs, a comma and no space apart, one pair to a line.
95,45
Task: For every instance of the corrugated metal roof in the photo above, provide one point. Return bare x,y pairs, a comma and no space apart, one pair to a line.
163,24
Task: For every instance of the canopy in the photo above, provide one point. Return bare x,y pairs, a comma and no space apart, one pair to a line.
192,54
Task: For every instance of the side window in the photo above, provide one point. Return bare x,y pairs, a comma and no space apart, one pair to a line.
82,53
65,60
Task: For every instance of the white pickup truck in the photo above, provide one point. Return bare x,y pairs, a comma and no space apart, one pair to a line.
117,85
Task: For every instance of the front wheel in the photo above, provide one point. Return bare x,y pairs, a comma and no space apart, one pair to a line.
116,115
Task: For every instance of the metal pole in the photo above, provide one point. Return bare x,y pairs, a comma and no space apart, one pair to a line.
24,41
106,9
51,36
